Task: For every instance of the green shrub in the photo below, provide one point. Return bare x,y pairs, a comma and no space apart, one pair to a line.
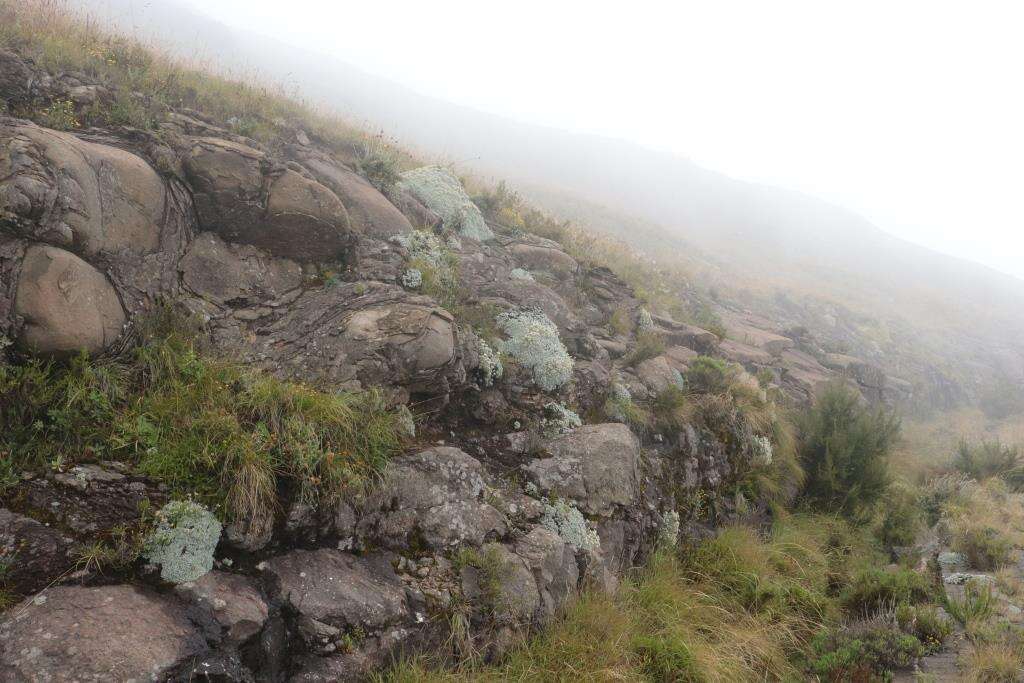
648,345
991,459
874,589
986,549
925,623
844,450
901,518
707,375
863,651
976,605
59,115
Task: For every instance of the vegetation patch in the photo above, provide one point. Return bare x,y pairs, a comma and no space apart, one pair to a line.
233,438
533,341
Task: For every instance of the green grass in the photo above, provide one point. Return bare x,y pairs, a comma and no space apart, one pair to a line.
740,607
232,437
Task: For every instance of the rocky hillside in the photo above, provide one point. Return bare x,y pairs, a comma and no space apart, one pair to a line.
262,418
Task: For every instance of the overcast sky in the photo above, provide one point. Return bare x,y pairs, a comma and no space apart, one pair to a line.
911,113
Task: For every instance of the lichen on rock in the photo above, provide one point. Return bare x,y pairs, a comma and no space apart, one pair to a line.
442,193
183,541
534,343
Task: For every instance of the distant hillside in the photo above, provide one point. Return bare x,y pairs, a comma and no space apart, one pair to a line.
938,314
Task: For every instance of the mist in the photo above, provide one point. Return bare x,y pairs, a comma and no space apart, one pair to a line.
902,114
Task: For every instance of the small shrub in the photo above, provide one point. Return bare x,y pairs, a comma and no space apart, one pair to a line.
707,375
644,322
620,322
649,344
60,115
901,518
864,650
925,623
490,369
620,407
844,449
991,459
412,278
875,589
976,605
559,420
533,341
985,548
668,532
379,165
183,541
441,192
521,274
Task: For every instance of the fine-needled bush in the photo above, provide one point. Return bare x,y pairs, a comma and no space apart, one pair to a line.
844,449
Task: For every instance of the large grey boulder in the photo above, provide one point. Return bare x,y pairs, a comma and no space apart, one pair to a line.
516,599
85,197
243,197
110,633
595,466
434,497
339,590
67,305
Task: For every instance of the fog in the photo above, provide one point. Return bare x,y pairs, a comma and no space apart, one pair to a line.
907,113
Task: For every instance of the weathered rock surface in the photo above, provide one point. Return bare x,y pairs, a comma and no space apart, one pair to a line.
111,633
243,198
596,466
433,498
234,601
369,211
338,589
67,305
32,551
236,274
85,197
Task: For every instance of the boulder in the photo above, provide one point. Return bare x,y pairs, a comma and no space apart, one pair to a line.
657,374
221,272
744,354
239,197
434,498
595,466
32,551
548,258
554,567
369,211
339,590
110,633
516,599
67,305
86,197
233,600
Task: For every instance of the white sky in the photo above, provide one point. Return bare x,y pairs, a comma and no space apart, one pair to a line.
909,112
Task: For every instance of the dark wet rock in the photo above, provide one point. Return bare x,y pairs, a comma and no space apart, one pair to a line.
110,633
32,551
434,498
233,600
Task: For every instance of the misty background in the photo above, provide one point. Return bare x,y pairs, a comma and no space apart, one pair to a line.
861,160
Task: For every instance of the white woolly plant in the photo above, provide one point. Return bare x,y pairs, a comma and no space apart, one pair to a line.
183,541
668,532
521,274
559,420
619,404
442,193
644,322
569,523
534,343
412,278
490,368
